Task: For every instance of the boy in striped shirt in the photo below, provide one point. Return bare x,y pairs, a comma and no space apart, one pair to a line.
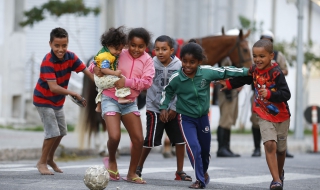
49,95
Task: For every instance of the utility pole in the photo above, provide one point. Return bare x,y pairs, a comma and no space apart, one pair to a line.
299,128
273,17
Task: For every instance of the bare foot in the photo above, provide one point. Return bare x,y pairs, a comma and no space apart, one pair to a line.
98,108
54,166
43,169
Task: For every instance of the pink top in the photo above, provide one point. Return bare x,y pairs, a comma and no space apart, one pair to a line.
139,74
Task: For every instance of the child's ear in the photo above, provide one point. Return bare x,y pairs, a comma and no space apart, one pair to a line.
171,50
272,55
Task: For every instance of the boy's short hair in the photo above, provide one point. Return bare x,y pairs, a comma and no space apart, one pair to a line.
58,33
165,38
266,44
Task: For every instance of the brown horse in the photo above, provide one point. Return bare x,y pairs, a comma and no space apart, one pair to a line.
233,46
89,120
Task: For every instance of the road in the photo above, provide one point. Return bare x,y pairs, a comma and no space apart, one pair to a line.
301,172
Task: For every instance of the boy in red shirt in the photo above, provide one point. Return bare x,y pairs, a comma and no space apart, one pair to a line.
50,92
270,105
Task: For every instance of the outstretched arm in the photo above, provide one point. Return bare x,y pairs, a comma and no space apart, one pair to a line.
235,82
218,73
89,74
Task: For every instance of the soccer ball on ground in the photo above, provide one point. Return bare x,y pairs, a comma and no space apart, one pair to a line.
96,178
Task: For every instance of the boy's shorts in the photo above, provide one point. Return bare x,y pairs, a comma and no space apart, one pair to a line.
54,122
155,129
275,131
110,106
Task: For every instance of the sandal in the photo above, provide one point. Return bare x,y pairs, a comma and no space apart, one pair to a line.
276,185
196,185
282,177
139,171
206,178
182,176
136,180
116,174
76,101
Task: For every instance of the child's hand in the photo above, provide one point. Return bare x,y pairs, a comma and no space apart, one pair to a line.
120,83
263,92
172,114
80,99
97,71
164,116
117,73
224,85
239,89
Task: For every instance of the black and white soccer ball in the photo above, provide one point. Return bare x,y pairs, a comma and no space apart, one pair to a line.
96,178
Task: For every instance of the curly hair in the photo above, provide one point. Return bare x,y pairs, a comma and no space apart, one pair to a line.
114,37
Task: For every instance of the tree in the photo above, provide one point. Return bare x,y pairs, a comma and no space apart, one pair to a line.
289,49
57,8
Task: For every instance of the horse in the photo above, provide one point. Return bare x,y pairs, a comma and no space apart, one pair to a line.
219,47
89,120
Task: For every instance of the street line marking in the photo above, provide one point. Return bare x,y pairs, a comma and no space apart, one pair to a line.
145,170
262,178
168,169
12,165
22,169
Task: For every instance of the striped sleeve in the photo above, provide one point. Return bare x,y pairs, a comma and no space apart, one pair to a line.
77,65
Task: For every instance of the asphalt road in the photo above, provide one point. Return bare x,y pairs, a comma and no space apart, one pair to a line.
301,172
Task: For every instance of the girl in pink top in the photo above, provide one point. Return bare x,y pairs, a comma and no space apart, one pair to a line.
138,71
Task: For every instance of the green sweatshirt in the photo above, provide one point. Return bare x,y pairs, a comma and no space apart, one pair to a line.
193,94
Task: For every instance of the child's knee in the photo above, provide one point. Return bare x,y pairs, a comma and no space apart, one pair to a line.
270,146
282,143
281,152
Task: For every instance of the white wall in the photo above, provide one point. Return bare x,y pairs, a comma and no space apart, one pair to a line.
83,40
179,19
12,65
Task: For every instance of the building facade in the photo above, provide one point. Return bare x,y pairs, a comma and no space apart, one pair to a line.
22,49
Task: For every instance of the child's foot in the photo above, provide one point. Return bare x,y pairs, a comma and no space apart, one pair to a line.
112,169
54,166
43,169
124,101
98,108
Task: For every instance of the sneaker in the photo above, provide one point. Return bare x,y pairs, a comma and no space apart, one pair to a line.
196,185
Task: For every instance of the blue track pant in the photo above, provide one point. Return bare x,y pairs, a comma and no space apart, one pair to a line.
197,134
